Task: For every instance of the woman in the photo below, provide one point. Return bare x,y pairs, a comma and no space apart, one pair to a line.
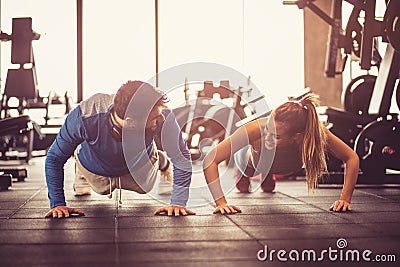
290,138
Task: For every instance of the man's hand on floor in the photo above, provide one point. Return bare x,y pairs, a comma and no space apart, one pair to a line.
175,210
63,211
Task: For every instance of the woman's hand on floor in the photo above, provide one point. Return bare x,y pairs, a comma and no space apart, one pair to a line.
228,209
340,205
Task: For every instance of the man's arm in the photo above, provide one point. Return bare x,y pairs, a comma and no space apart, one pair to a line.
69,137
177,150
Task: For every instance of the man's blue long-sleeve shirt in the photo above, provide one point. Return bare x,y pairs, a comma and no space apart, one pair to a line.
89,125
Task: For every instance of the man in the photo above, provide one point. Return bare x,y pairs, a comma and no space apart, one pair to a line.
93,133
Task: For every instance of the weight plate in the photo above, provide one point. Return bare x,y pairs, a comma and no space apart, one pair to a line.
358,93
378,147
204,129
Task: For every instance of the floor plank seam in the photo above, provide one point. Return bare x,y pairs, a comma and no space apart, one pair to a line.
25,202
246,232
131,242
371,194
117,202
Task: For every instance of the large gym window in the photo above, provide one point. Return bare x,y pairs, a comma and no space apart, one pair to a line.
262,39
54,52
118,44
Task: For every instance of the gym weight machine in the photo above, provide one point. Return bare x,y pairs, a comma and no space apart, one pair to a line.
207,120
16,133
366,123
19,134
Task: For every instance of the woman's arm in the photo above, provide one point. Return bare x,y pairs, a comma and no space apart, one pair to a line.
342,151
223,151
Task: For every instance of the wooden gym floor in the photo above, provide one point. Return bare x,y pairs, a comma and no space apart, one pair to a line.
289,219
